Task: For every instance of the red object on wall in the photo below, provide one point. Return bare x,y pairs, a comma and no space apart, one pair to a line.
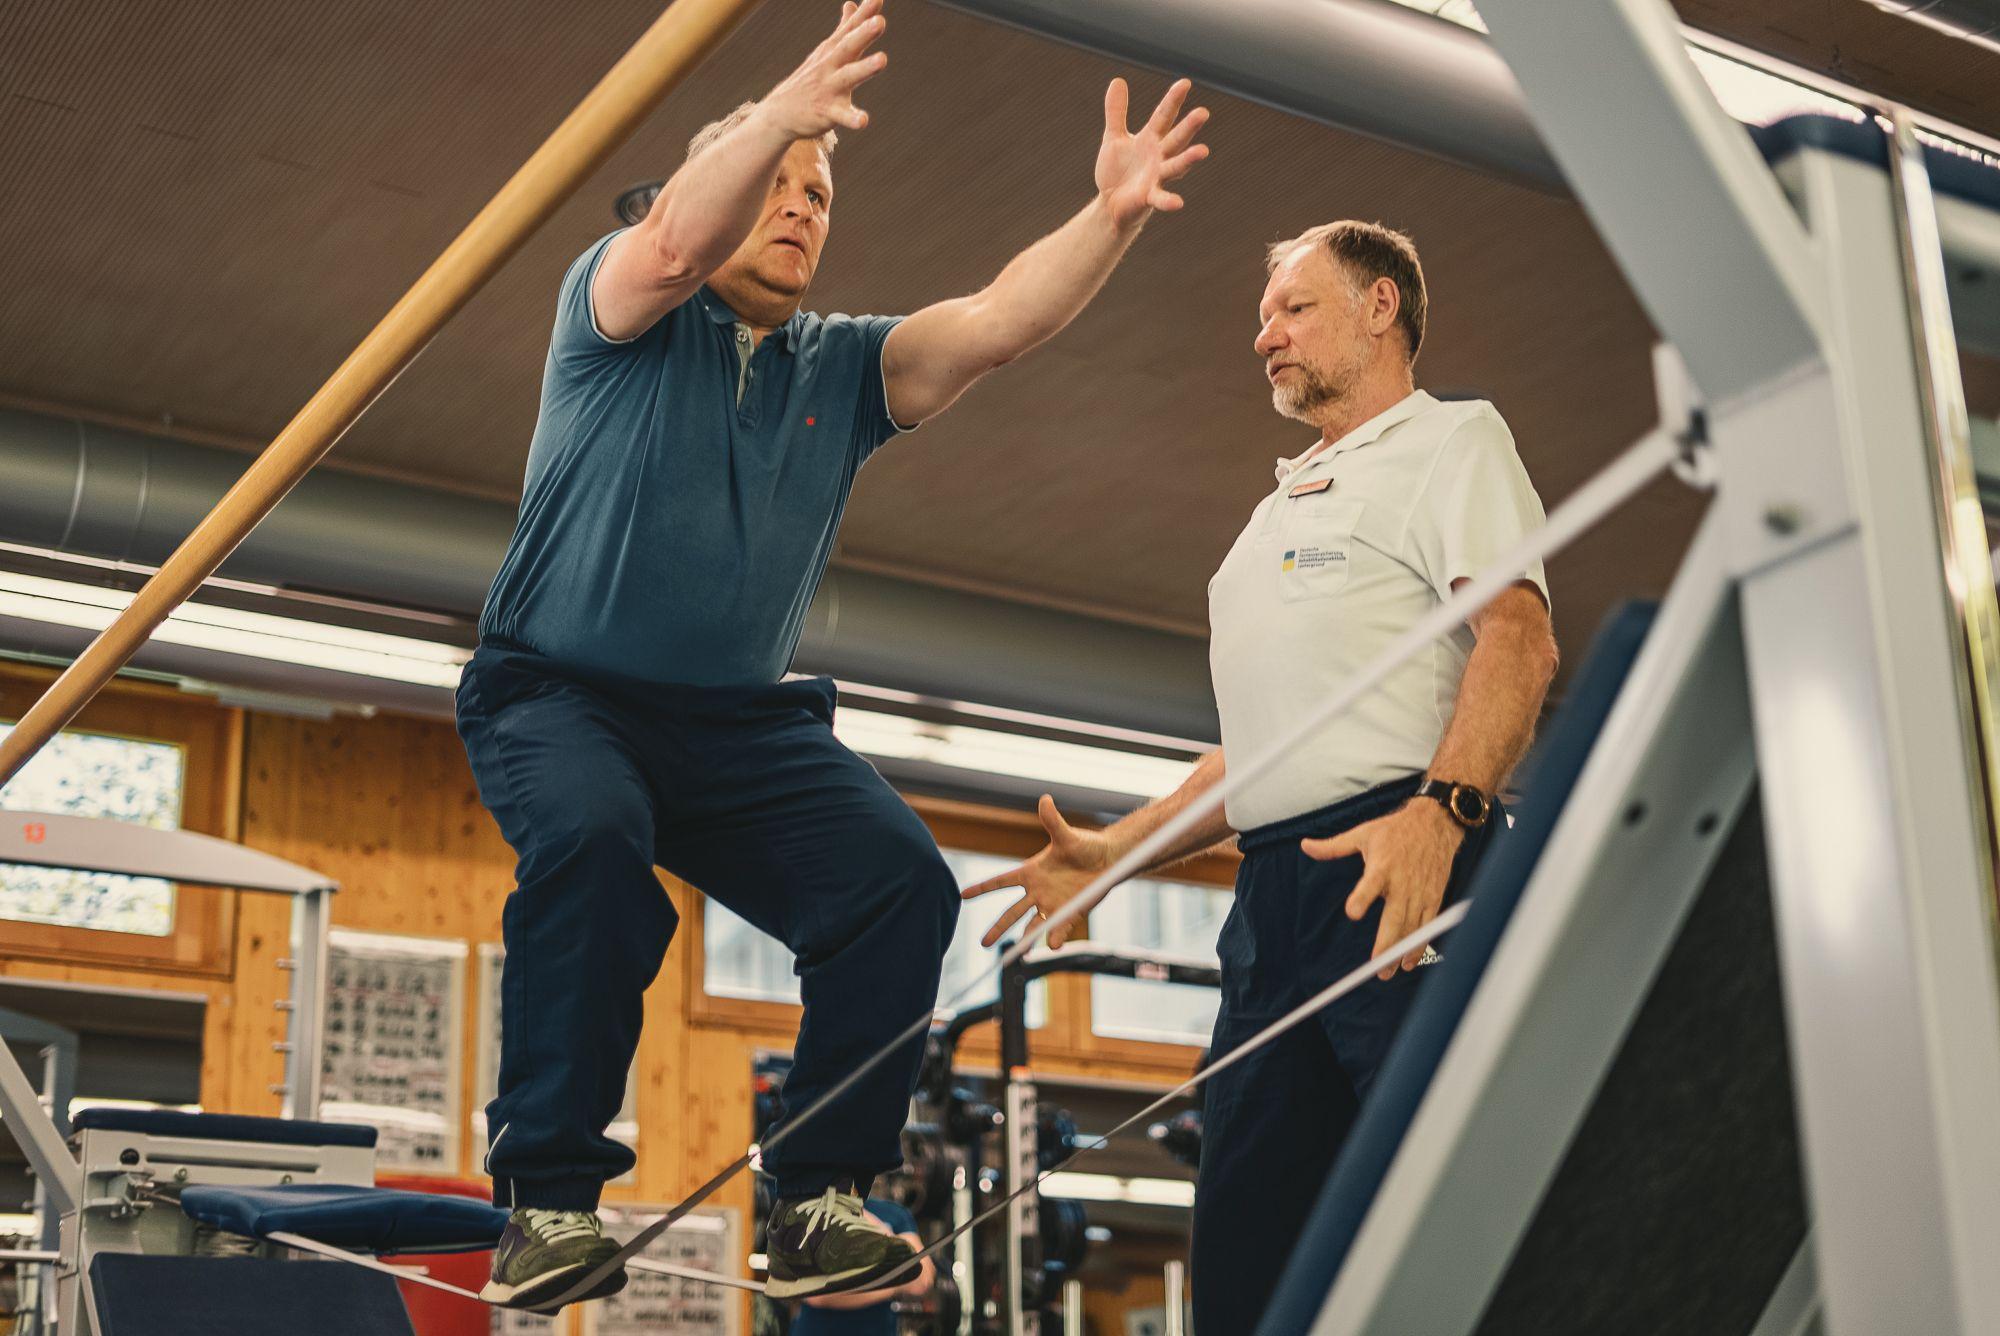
433,1312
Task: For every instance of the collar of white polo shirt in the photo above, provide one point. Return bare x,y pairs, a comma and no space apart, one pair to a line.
1367,433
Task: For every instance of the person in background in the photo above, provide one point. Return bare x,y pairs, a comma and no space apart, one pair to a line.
872,1313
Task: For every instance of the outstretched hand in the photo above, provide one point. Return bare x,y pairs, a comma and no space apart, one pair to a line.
1406,862
1133,169
819,95
1049,880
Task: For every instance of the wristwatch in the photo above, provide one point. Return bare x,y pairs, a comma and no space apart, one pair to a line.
1468,806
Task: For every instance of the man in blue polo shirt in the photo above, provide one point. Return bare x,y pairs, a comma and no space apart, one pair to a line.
626,707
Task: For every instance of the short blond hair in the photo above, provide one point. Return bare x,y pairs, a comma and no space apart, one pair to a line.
715,130
1368,251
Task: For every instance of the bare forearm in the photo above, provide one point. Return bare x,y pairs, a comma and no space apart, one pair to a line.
1044,287
1499,699
714,200
1128,831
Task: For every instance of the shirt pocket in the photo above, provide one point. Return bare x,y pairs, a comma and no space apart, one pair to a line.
1318,548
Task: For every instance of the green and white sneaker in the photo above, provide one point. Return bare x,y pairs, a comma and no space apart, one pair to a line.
829,1245
543,1253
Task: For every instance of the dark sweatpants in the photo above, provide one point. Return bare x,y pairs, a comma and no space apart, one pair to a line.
745,794
1273,1123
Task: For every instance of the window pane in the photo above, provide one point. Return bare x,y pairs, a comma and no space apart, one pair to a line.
90,774
1178,918
740,961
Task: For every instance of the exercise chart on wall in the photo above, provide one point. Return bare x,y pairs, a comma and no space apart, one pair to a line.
394,1026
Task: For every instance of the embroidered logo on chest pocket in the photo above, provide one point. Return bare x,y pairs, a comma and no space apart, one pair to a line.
1318,550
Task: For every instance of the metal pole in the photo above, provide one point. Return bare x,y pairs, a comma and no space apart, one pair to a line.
674,45
59,1176
1072,1308
305,1025
1019,1159
1176,1299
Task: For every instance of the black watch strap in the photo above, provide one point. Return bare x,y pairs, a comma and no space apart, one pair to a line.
1470,807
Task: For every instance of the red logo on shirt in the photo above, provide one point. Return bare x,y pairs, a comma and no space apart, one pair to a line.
36,832
809,422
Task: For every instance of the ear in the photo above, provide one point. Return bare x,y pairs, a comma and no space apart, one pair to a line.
1385,302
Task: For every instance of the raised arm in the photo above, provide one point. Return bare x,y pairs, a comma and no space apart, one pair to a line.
714,200
937,354
1074,858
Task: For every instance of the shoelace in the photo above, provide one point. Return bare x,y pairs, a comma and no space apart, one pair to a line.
837,1205
555,1226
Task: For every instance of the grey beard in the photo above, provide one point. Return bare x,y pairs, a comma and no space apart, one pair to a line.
1309,393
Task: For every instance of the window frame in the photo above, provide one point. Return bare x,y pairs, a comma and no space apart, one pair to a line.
210,739
1068,1035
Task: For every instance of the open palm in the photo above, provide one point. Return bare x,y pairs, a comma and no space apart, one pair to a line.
1133,169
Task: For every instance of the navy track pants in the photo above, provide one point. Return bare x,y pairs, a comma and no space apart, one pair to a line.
745,794
1273,1123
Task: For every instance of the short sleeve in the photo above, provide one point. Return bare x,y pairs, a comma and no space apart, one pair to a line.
1477,504
873,424
577,341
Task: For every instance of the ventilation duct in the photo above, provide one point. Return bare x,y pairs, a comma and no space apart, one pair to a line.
100,492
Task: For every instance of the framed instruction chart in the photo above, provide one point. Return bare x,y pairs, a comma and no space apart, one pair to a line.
394,1029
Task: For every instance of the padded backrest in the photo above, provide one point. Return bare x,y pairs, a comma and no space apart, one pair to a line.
224,1127
1957,174
376,1220
242,1296
1496,888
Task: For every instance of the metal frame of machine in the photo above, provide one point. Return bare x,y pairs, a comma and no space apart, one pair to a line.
86,1192
1833,610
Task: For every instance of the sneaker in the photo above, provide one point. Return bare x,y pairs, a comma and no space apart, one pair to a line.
829,1245
543,1253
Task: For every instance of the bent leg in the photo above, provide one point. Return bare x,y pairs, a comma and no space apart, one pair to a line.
802,838
585,928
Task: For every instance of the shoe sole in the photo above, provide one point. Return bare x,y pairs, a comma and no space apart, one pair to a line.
535,1294
837,1282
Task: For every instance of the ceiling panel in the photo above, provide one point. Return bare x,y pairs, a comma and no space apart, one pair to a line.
210,203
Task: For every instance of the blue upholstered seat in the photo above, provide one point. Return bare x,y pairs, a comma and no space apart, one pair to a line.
361,1219
1496,889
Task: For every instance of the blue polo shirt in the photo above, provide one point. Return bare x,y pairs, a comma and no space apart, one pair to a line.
669,530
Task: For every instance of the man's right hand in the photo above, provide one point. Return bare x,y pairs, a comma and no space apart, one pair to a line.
1052,878
819,95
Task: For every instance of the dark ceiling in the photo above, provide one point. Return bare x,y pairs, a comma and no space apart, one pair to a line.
210,203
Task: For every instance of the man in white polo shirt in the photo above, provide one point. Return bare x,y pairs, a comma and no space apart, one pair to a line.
1368,826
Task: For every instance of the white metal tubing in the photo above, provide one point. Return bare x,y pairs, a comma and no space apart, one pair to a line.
1176,1278
36,1134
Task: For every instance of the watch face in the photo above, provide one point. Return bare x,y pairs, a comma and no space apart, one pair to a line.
1468,805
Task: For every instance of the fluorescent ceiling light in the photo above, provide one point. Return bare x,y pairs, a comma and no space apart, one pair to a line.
1106,1187
894,737
426,663
256,635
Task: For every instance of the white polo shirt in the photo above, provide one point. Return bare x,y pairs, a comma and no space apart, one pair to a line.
1360,539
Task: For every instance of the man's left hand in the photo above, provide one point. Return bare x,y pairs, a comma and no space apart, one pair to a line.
1133,169
1406,863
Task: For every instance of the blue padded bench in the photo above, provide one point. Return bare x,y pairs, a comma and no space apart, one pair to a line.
224,1127
136,1295
1496,889
359,1219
